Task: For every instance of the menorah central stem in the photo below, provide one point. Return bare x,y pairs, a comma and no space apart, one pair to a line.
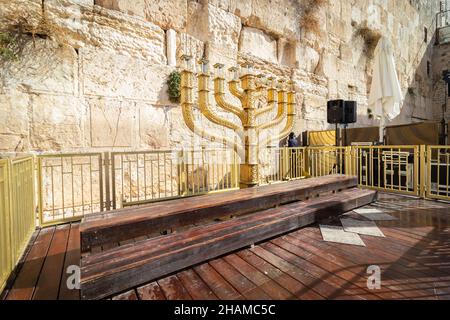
248,89
249,169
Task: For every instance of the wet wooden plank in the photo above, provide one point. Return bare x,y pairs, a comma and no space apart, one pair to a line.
395,277
325,289
173,288
26,281
196,287
129,295
288,282
72,259
345,290
281,249
244,286
151,291
335,264
221,288
269,286
19,266
49,281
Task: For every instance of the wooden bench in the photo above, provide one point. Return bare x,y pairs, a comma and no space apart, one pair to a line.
125,224
124,267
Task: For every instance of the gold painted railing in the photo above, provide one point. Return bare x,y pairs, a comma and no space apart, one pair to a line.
143,177
437,173
17,212
73,185
70,186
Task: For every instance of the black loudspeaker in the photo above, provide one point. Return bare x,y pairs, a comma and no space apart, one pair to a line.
335,111
350,112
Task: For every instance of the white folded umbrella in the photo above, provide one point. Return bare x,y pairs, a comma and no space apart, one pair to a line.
385,97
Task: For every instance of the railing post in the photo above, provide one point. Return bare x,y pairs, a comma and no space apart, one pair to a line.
39,188
423,167
306,162
182,175
107,168
284,163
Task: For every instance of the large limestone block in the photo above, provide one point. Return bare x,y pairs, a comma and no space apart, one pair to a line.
65,2
111,122
189,45
14,113
110,74
56,123
223,31
259,44
278,17
79,26
166,14
307,57
42,66
154,126
316,107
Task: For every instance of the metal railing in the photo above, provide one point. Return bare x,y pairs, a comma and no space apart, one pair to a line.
282,164
389,168
17,212
438,172
143,177
69,186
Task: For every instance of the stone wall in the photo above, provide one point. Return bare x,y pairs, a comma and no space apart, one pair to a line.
441,62
92,76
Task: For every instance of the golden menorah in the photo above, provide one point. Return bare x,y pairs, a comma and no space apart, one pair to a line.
247,87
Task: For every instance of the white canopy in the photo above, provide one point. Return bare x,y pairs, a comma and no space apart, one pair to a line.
385,97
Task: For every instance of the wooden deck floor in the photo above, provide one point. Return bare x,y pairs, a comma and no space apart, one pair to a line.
414,258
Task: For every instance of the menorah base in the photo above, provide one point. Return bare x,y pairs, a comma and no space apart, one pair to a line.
248,176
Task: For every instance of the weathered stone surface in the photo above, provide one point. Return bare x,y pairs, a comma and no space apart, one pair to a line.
111,122
154,126
259,44
14,111
171,50
166,14
307,58
14,122
224,29
107,73
56,122
43,66
78,25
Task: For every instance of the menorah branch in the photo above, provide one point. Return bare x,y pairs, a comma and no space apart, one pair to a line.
271,101
233,86
205,106
219,96
281,114
290,121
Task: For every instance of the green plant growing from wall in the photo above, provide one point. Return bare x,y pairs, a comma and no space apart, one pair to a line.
173,84
7,46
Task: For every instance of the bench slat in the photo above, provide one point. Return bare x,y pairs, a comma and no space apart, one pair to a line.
132,265
122,225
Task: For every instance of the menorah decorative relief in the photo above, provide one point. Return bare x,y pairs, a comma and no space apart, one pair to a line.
247,87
